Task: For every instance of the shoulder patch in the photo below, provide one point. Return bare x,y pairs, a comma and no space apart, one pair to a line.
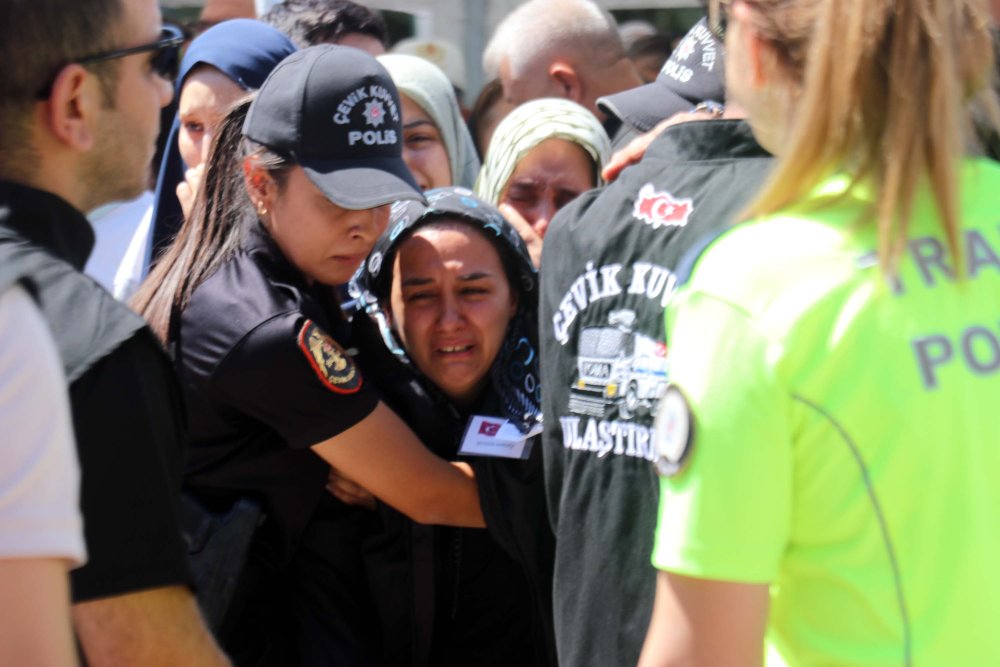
333,366
673,432
660,208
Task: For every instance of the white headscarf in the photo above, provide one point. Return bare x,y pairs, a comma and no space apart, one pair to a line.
529,125
427,85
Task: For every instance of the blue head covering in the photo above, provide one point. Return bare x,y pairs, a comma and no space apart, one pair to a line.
246,51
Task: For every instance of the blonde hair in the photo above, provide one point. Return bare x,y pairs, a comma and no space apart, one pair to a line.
885,92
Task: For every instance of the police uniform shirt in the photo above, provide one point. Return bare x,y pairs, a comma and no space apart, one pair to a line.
266,376
610,261
844,439
126,406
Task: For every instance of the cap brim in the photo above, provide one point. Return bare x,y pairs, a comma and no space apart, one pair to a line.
363,183
644,106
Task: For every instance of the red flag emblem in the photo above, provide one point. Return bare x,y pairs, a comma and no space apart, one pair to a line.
489,428
661,209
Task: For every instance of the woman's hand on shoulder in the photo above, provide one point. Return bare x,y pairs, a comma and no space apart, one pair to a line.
636,149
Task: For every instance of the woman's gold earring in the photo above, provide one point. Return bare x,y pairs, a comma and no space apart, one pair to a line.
261,209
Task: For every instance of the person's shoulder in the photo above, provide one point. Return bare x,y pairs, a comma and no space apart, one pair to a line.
86,321
238,297
701,141
753,264
111,323
683,188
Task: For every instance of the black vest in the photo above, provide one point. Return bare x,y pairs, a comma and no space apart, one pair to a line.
44,243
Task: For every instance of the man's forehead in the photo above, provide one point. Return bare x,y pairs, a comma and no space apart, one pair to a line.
141,21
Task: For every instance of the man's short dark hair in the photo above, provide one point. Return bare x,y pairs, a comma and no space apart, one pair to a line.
311,22
37,38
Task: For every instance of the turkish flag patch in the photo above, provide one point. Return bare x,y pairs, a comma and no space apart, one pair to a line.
661,209
333,366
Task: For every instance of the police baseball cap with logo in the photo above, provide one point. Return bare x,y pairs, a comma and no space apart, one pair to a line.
694,73
335,111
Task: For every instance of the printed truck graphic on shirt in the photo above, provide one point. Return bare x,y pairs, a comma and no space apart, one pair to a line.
618,369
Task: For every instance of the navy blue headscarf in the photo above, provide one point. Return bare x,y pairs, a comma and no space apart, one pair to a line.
246,51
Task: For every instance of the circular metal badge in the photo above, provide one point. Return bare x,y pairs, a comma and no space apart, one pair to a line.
673,432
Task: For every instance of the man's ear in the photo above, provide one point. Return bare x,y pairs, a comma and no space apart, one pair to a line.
71,111
567,81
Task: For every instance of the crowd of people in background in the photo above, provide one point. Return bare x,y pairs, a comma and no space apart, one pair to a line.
660,351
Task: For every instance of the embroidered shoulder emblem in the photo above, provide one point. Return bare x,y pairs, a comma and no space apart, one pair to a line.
661,209
334,368
673,432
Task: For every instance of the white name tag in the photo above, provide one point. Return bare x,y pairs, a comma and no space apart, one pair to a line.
495,436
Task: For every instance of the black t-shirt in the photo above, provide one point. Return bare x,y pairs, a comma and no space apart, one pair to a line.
611,261
127,411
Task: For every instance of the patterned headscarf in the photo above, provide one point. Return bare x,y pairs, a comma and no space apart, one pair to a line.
515,370
529,125
427,85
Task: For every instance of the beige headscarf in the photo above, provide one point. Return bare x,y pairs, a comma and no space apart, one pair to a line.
427,85
529,125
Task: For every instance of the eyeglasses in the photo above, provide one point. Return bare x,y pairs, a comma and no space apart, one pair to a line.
165,61
718,18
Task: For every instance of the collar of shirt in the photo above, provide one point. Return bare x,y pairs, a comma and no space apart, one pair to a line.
47,220
257,242
707,140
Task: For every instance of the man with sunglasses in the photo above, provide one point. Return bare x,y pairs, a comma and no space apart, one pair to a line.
79,107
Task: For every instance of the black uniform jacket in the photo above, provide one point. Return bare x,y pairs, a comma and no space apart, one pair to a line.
127,410
610,262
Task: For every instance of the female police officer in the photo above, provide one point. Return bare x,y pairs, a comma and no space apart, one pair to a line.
273,391
831,426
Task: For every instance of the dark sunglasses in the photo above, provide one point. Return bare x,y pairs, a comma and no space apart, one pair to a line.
165,62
